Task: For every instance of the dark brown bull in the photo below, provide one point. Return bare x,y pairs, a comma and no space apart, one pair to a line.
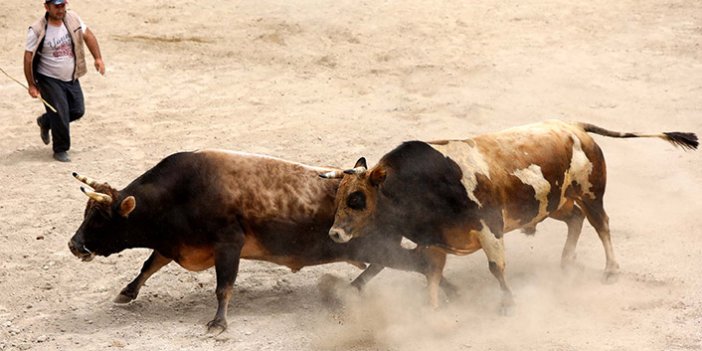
459,196
211,208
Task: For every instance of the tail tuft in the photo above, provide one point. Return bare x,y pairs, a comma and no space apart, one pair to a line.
687,141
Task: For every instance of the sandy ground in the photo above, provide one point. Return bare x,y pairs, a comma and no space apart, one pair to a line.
324,82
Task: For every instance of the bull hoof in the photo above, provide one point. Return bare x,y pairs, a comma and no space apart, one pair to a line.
507,306
451,291
126,295
334,291
216,327
610,277
569,263
571,269
123,298
506,311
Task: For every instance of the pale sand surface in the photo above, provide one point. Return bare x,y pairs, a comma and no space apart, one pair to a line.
325,82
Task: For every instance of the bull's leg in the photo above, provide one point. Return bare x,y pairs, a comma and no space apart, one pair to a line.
155,262
437,262
431,262
227,253
495,250
369,273
449,289
388,252
573,217
596,215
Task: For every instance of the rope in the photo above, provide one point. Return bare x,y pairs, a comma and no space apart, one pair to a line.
25,87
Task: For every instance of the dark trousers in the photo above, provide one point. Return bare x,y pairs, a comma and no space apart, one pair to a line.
67,99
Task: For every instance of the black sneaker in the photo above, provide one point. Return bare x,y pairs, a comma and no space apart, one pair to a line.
61,156
45,137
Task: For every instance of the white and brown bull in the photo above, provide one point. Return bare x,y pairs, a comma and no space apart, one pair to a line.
459,196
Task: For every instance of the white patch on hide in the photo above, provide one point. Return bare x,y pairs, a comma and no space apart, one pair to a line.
471,162
579,170
492,246
533,177
408,244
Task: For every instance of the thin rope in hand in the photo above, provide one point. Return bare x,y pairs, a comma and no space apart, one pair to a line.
25,87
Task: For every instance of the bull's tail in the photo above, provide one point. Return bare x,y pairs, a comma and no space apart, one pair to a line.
687,141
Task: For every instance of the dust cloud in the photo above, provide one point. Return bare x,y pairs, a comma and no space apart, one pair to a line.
573,303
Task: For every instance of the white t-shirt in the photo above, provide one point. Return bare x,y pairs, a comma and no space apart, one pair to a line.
57,59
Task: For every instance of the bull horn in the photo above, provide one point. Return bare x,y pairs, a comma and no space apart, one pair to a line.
332,175
89,182
99,197
356,170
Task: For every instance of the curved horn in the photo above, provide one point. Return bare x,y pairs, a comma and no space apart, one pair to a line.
99,197
356,170
89,182
332,175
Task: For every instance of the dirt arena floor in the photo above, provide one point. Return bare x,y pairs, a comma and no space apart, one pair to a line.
323,83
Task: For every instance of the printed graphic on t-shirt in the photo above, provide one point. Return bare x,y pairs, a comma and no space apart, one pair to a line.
61,46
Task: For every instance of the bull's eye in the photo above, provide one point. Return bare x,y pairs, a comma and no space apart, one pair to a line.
356,201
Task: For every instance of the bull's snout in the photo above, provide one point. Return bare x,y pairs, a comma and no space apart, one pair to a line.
339,235
79,250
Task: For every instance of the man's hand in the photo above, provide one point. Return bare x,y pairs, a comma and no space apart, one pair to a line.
33,91
100,66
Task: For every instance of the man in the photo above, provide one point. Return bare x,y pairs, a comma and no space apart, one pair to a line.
53,61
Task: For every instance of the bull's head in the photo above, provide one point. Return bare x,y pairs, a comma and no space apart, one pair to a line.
356,200
104,220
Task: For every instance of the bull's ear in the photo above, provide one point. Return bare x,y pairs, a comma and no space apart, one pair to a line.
361,163
377,176
127,206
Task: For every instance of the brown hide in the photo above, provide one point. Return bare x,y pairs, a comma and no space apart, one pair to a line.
258,189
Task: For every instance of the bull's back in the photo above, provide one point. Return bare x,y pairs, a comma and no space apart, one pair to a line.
526,171
263,187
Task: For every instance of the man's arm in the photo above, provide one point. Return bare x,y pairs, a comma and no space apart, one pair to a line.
92,43
32,88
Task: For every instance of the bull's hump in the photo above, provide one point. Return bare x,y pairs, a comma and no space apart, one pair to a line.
467,156
241,155
260,186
